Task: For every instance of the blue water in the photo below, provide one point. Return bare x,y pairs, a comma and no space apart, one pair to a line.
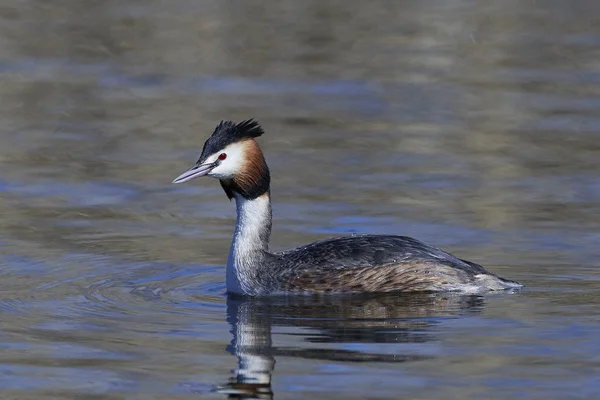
470,126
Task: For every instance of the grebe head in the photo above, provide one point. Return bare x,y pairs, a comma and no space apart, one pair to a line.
232,155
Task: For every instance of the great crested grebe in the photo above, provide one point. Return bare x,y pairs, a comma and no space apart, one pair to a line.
359,263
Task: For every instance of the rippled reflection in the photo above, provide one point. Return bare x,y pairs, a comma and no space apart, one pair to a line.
365,320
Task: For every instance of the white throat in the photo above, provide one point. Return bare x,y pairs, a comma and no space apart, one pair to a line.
250,243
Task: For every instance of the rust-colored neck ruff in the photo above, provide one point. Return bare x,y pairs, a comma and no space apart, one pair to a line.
253,178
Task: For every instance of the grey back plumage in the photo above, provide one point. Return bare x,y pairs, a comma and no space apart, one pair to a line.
371,250
371,263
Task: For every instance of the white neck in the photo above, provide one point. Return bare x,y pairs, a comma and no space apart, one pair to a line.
250,243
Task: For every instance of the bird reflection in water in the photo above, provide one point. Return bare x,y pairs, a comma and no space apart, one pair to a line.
335,319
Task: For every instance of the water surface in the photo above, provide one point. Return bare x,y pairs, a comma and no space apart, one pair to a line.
468,125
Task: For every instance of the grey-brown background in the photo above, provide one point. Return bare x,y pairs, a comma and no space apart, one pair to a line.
471,125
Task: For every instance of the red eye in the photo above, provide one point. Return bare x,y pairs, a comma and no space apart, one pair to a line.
222,156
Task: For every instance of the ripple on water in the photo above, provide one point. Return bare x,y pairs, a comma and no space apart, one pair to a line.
173,290
148,297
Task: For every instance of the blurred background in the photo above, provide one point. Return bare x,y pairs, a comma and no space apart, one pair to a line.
471,125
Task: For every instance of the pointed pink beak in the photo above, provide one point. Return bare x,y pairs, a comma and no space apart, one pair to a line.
195,172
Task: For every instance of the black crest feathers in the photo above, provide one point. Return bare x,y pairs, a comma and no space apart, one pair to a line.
228,132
